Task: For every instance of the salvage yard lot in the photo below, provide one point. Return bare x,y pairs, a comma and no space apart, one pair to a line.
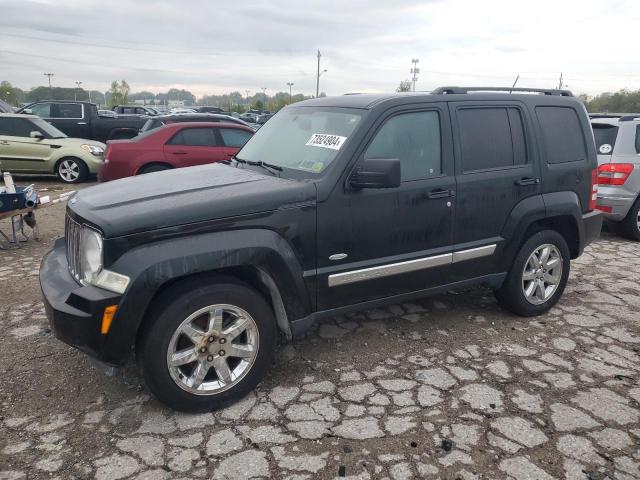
447,387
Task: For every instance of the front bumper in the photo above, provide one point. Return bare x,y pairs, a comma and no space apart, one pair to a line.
74,311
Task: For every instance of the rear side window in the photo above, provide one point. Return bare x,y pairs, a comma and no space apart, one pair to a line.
68,110
234,137
414,138
638,139
562,133
605,136
491,138
194,137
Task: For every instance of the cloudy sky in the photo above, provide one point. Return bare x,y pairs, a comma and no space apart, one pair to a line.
211,46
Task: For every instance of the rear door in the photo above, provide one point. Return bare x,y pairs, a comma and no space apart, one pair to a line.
18,151
495,170
193,146
71,118
233,139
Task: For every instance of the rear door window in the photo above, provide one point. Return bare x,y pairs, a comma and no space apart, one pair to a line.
194,137
68,110
562,134
605,136
491,138
234,137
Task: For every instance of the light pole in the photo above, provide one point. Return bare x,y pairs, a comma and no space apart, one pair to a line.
290,84
49,75
264,93
415,71
318,82
75,94
247,92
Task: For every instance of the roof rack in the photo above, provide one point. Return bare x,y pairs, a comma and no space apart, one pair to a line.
463,90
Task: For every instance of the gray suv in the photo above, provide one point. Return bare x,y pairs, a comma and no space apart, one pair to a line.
617,139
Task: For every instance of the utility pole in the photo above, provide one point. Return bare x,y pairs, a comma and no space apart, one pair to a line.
560,82
318,76
290,84
49,75
414,71
75,94
247,92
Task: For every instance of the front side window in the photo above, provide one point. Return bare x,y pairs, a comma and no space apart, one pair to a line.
413,138
234,137
6,126
43,110
194,137
306,139
491,138
69,110
562,134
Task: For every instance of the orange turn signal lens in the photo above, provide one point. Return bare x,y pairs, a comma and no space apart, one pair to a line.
107,317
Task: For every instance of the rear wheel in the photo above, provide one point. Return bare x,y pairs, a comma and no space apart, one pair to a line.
208,346
630,226
156,167
71,170
538,275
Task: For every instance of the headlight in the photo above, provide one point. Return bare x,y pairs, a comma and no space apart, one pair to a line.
91,264
92,149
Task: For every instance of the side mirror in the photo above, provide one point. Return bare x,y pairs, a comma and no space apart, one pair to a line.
27,111
376,173
37,135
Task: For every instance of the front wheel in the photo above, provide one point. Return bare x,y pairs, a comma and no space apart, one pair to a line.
71,170
538,275
207,347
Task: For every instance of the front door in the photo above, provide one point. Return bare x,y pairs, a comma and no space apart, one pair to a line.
495,170
376,243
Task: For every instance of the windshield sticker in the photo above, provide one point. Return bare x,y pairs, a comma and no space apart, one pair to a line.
324,140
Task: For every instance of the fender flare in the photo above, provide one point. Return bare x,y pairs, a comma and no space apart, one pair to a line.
153,266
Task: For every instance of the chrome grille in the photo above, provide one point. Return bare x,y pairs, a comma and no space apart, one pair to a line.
72,232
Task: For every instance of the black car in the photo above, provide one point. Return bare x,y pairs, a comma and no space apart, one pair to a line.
160,120
207,109
135,110
82,120
335,205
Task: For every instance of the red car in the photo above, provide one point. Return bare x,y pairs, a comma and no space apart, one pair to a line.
174,145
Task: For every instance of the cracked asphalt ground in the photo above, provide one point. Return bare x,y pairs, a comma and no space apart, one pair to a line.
449,387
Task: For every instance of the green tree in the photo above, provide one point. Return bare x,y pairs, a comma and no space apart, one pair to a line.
118,93
9,93
405,86
623,101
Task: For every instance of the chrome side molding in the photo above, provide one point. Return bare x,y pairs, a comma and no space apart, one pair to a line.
390,269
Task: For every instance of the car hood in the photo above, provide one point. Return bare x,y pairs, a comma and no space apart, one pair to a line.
73,142
185,195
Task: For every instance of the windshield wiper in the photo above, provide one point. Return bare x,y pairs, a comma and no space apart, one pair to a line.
267,166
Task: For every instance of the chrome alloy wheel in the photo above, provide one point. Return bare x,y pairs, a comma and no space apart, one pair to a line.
213,349
69,170
542,274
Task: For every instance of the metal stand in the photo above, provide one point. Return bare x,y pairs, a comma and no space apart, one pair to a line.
12,241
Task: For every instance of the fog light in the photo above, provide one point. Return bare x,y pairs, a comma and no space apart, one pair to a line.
107,317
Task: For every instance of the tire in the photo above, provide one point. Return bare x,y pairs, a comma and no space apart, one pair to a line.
511,295
71,170
630,226
164,335
154,167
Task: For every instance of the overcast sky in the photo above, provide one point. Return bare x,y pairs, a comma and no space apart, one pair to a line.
366,45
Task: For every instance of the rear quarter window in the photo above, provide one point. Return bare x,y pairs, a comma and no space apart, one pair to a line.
605,136
638,139
562,134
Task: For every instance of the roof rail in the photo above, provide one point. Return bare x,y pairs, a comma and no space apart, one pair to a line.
623,117
463,90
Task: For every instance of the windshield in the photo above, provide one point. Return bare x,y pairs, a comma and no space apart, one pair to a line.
605,137
302,138
48,129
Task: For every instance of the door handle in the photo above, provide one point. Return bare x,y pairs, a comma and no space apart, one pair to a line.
523,182
441,193
81,123
179,152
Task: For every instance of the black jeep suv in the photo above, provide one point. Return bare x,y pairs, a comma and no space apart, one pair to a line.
336,204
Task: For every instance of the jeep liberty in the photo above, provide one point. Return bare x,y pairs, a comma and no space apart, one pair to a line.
337,204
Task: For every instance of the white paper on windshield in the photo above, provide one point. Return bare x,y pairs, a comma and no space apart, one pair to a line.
324,140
